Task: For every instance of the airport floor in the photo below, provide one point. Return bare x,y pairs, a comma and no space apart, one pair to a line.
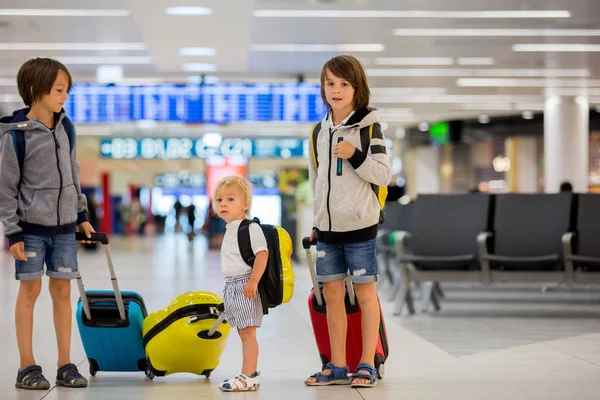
510,342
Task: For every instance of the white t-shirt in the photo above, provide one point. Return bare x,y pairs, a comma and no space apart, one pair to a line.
336,127
232,263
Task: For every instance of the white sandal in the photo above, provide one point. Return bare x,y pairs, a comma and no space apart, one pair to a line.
241,383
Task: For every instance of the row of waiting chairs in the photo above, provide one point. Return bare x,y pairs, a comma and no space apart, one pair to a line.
485,238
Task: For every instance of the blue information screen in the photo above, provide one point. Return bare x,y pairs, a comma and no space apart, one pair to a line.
186,148
217,104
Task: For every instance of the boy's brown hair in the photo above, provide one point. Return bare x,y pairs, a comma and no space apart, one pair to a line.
351,70
36,78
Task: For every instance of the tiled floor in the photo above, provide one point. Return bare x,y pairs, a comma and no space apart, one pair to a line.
499,343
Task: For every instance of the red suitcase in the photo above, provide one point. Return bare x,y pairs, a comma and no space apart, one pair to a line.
318,317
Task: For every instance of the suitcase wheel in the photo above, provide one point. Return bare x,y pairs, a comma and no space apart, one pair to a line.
324,361
380,366
93,367
149,373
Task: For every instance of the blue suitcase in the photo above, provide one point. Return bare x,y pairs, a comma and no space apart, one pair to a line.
110,324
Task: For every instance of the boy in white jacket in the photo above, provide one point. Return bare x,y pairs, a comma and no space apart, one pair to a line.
345,177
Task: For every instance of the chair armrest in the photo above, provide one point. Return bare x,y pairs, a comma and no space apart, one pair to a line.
482,243
567,242
399,238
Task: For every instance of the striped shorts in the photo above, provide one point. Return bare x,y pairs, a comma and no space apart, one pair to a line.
241,312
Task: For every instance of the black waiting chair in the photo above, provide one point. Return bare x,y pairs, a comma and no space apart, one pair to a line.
444,231
398,217
581,247
443,242
527,233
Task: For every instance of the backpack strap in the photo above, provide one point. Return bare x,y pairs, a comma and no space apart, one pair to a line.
313,139
244,241
19,145
249,257
366,135
70,130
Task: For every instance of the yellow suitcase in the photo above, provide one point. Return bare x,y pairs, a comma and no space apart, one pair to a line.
187,336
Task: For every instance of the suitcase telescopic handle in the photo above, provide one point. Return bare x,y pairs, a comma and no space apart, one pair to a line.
307,243
222,316
102,238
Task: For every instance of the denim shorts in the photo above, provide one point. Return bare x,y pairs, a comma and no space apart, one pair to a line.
59,253
335,260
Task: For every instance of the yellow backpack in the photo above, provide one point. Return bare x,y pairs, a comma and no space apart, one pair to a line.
277,283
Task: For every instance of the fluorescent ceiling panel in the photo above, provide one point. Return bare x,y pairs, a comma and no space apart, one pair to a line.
52,46
508,14
57,12
496,32
332,48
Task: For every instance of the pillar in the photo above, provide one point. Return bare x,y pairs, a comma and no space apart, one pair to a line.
566,131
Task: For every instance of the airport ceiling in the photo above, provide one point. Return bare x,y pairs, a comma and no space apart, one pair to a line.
426,60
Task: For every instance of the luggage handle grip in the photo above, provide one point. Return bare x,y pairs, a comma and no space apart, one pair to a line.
306,242
95,237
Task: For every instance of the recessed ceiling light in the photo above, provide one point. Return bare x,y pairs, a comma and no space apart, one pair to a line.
411,14
109,74
197,51
527,115
414,61
199,67
484,119
53,12
556,47
73,46
332,48
496,32
188,11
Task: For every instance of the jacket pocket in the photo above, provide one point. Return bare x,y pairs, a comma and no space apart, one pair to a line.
343,214
68,205
42,210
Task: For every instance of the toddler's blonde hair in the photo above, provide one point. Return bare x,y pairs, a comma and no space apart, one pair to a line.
240,182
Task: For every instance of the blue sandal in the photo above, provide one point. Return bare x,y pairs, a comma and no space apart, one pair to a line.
69,376
372,376
31,378
336,376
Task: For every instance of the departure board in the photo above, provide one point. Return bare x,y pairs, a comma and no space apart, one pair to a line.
215,104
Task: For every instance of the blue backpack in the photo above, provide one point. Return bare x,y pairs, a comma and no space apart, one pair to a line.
19,143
